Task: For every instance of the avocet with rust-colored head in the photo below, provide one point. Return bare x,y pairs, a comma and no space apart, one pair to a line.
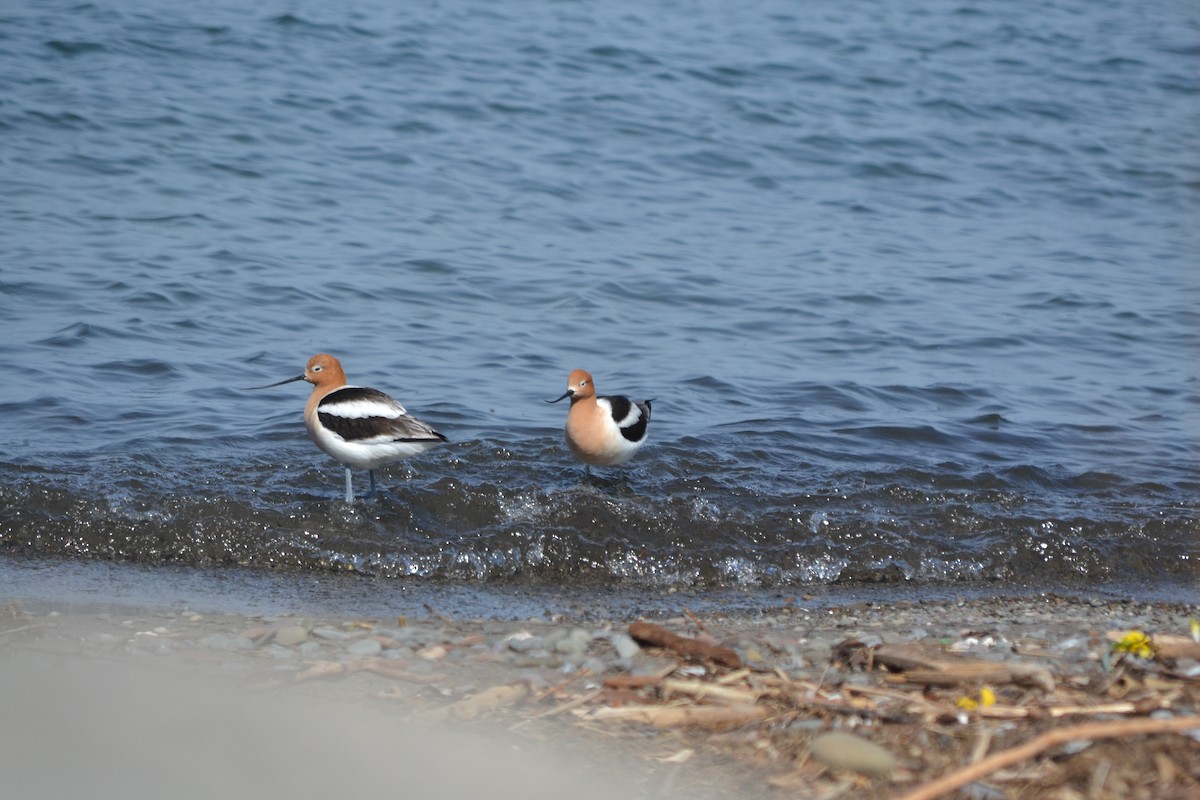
360,427
603,430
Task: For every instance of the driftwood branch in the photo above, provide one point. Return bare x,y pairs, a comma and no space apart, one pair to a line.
695,649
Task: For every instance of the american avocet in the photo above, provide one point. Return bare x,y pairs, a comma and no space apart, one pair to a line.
605,431
359,427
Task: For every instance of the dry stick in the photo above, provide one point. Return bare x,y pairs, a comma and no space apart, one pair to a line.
684,716
16,630
558,687
445,620
574,702
1014,755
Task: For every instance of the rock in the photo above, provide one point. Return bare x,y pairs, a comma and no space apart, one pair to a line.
625,646
310,649
291,635
420,667
365,647
105,639
752,655
280,652
398,635
221,641
850,752
432,653
525,643
330,634
574,645
595,666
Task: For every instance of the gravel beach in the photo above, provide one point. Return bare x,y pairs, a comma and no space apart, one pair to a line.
804,700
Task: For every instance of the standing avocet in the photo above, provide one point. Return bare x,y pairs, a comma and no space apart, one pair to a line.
605,431
359,427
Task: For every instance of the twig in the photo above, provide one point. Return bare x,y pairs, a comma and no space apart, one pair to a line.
558,687
15,630
710,691
687,612
1014,755
445,620
574,702
684,716
639,681
982,743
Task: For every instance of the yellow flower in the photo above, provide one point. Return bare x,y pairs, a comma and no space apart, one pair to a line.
986,698
1135,643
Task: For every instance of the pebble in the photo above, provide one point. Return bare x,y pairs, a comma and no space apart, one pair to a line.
574,644
595,666
280,652
365,647
104,639
222,641
625,646
397,634
847,751
432,653
979,791
310,649
291,635
525,642
330,634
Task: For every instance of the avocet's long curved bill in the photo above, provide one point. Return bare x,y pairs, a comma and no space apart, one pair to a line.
299,377
566,394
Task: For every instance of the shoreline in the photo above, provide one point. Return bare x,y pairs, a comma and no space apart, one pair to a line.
268,592
537,687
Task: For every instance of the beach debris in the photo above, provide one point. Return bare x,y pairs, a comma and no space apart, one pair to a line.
830,705
12,611
915,664
14,618
1078,733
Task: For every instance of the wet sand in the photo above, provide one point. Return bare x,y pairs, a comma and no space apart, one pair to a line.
181,701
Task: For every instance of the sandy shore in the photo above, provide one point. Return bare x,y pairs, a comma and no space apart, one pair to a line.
179,702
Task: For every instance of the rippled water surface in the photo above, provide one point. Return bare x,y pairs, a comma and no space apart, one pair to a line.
914,287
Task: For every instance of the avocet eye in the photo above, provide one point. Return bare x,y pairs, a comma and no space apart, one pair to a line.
317,368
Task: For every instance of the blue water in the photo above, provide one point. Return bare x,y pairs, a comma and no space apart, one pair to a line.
914,287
